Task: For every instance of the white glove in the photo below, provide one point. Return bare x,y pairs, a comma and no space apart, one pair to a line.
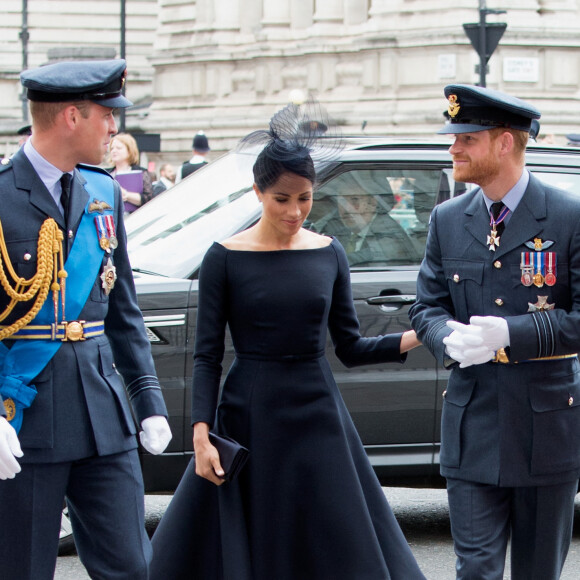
9,449
493,330
466,345
156,434
454,346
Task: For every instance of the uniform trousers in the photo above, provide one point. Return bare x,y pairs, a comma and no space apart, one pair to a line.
105,497
537,520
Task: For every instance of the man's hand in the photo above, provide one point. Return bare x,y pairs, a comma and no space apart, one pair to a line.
466,345
9,450
493,331
156,434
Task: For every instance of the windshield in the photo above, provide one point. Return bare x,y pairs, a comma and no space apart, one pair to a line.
171,233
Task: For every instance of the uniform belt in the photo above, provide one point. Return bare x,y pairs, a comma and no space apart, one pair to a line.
72,330
501,357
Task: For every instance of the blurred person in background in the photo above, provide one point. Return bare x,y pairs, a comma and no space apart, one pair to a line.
200,150
124,155
24,134
166,179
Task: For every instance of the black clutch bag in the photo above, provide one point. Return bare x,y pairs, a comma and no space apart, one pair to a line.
233,456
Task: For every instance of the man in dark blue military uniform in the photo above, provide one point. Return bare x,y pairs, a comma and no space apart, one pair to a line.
498,301
70,324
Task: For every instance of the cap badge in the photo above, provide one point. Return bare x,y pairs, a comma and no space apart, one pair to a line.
453,107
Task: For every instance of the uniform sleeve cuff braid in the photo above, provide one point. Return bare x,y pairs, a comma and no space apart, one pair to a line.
141,384
545,334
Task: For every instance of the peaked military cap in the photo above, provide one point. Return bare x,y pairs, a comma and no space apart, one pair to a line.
99,81
472,109
26,130
534,129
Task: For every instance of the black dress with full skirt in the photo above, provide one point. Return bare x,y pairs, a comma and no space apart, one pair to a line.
307,505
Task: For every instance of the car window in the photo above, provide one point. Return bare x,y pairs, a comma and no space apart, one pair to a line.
380,216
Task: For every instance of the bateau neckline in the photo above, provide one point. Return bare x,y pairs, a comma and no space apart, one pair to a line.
276,251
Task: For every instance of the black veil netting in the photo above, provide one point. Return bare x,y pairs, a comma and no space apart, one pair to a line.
299,131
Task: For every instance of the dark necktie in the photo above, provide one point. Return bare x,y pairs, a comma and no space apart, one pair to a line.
496,208
65,182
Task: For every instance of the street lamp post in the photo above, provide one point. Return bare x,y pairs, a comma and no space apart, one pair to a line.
122,111
482,43
24,36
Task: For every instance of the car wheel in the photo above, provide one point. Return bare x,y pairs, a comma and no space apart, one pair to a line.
66,543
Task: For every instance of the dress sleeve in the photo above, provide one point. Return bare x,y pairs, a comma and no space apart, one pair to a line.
147,193
351,348
210,335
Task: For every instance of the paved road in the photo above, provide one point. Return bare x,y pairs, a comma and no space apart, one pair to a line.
423,516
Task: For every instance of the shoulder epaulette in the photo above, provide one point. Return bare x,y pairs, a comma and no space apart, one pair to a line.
5,163
94,168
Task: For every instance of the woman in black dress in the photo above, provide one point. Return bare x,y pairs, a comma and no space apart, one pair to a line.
307,505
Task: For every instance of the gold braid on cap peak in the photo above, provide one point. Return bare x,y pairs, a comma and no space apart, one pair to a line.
49,270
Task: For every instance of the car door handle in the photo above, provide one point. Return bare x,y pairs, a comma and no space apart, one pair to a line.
393,299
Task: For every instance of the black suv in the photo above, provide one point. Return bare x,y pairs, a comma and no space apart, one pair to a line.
396,408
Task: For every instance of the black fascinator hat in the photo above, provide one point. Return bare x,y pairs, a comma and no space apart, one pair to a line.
301,139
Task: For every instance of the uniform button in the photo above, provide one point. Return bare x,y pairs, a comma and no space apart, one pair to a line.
27,257
70,234
456,278
499,301
570,401
497,264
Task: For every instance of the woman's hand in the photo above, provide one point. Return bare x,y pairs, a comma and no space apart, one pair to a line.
131,196
409,341
207,459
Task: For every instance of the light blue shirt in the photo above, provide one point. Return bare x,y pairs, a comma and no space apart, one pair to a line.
513,197
48,173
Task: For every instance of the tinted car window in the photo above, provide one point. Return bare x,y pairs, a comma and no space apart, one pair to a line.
380,216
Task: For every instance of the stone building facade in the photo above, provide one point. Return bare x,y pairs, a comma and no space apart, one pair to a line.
71,29
224,66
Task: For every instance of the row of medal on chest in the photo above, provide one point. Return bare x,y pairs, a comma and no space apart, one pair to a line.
537,268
